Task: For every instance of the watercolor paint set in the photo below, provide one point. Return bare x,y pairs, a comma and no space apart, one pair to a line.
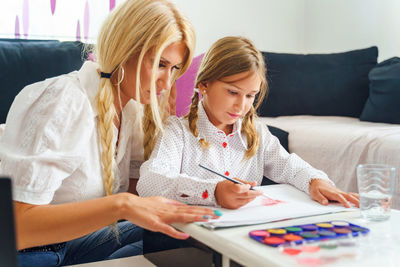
307,233
315,244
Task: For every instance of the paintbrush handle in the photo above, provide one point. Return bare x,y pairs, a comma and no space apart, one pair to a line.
229,178
221,175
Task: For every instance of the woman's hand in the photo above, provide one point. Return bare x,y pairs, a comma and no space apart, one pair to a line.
232,196
157,213
322,191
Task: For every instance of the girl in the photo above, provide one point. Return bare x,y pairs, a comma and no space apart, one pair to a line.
221,133
67,143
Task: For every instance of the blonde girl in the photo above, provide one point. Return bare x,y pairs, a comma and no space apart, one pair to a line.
68,141
221,132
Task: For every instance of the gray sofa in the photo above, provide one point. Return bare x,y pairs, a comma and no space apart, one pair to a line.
339,110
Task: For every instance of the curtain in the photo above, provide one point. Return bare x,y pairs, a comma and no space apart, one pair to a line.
66,20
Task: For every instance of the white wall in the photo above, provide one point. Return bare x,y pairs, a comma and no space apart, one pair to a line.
292,26
299,26
341,25
273,25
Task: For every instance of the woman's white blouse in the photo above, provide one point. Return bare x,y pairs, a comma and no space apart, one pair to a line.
50,143
173,169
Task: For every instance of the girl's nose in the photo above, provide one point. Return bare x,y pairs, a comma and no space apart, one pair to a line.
240,103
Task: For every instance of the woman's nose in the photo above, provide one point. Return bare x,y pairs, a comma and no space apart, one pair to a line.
164,80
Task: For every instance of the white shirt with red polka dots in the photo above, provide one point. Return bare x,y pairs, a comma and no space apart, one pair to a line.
173,169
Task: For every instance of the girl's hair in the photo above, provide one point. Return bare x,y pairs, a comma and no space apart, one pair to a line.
132,29
229,56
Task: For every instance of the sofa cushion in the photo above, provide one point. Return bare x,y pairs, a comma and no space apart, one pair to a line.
283,139
24,62
185,86
281,135
318,84
384,95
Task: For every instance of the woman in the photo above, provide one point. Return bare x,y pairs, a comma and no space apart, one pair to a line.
67,143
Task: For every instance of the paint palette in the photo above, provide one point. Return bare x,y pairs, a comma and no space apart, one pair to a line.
307,233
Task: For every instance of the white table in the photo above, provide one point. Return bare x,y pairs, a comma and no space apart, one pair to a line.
381,247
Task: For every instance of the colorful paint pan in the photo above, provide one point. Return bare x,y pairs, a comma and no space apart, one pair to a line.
293,229
326,233
309,227
292,237
340,224
277,231
309,235
273,241
358,229
300,234
324,225
261,233
342,230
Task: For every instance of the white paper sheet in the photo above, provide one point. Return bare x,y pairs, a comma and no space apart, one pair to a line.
295,204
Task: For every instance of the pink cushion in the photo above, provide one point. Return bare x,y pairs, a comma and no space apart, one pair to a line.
185,86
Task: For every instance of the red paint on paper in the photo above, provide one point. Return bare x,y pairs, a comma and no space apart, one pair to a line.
269,201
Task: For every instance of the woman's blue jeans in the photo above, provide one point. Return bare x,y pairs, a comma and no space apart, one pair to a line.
97,246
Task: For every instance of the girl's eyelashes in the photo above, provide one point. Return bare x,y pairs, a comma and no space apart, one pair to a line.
232,92
236,93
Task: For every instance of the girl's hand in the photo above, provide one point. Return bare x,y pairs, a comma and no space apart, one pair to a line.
232,196
322,191
157,213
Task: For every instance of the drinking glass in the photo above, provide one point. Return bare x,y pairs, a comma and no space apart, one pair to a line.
375,187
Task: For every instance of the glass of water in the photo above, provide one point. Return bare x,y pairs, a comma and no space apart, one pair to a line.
375,186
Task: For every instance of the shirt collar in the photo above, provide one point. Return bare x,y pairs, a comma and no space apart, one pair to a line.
208,130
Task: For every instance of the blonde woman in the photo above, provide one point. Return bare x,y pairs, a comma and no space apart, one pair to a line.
221,133
69,141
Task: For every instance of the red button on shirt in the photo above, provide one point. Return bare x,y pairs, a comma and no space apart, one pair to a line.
224,144
227,173
205,194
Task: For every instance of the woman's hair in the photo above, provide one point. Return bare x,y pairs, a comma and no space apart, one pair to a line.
229,56
132,29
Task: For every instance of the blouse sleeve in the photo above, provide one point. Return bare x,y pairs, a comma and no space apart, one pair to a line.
282,167
161,175
45,131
